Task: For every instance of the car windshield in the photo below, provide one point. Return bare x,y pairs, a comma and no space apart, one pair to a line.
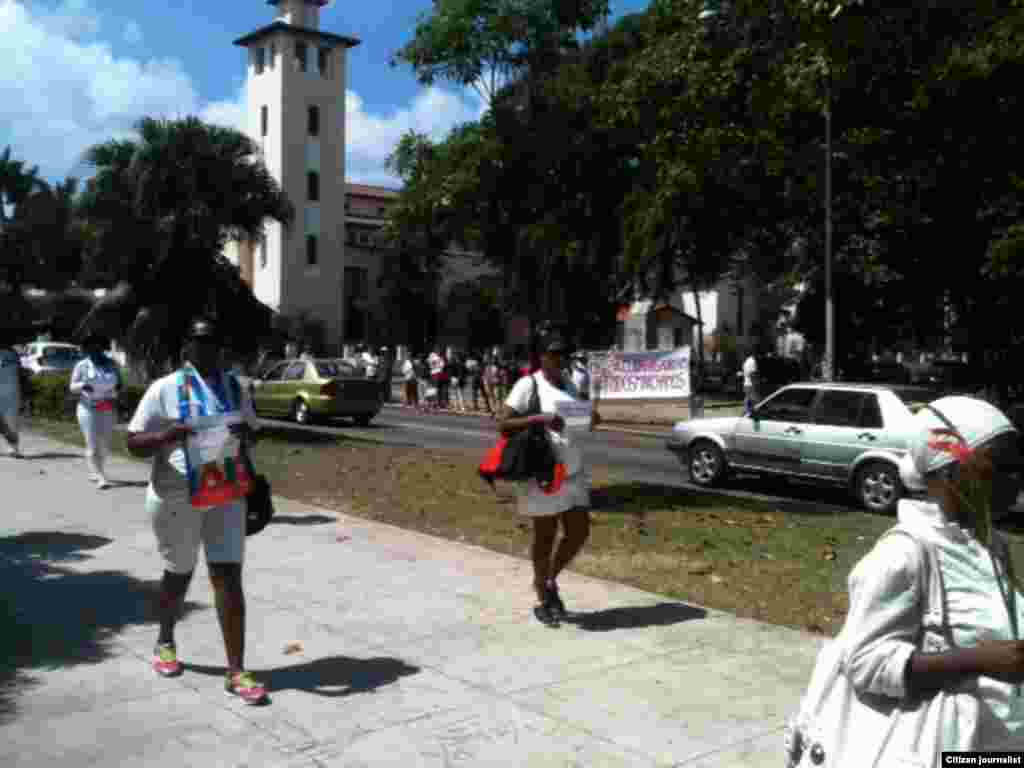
331,369
61,356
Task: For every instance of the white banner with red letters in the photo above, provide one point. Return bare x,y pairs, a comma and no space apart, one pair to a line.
640,375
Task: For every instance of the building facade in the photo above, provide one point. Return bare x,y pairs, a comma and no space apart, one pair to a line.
296,77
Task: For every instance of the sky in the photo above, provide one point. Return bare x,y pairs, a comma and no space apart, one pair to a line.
79,72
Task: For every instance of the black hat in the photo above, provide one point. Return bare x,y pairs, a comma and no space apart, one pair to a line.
203,328
552,343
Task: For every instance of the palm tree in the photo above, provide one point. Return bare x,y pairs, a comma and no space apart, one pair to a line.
16,183
163,206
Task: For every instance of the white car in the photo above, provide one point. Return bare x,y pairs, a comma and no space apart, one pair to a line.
50,357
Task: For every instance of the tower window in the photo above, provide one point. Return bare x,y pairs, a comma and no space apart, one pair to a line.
314,121
264,120
273,55
313,186
300,55
263,252
260,59
322,59
311,254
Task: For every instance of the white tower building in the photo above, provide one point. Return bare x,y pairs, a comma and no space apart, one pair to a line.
296,112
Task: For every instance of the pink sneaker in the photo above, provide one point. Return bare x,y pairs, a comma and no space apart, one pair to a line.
165,661
244,686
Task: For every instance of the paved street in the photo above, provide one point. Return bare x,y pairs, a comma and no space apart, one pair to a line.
410,651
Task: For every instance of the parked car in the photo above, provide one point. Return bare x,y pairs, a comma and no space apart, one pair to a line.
306,390
850,435
50,357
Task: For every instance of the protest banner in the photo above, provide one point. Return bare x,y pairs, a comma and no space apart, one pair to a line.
641,375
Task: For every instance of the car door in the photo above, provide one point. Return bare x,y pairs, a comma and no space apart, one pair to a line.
845,424
770,439
267,394
294,380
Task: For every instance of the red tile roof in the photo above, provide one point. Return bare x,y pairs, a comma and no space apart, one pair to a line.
367,190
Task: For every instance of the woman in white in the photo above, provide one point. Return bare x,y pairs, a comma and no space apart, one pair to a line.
963,471
96,380
570,503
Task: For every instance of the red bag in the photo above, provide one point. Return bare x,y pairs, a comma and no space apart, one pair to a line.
489,467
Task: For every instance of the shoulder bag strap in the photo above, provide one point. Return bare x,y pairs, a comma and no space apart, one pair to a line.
932,593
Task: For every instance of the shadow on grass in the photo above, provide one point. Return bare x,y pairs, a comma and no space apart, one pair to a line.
659,615
53,615
302,520
637,499
334,676
295,435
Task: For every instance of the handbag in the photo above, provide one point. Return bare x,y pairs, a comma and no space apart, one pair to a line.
259,501
837,727
523,456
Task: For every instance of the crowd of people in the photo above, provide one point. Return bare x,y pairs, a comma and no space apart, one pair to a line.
474,382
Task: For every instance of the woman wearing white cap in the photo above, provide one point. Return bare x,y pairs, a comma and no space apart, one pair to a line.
96,380
962,471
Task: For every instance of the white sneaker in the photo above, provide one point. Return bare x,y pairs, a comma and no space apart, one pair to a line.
103,484
14,453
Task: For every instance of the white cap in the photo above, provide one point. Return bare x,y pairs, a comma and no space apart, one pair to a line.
977,421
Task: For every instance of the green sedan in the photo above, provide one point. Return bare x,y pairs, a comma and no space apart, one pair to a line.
307,390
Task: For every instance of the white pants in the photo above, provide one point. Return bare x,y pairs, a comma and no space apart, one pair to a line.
98,431
9,407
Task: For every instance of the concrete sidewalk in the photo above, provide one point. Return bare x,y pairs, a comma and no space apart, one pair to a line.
415,651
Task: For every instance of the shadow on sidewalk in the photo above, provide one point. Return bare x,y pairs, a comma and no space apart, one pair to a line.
52,455
52,615
302,520
334,676
659,615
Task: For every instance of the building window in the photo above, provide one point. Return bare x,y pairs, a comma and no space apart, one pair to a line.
264,120
356,292
312,258
273,54
260,59
313,120
322,59
313,186
348,206
263,252
300,55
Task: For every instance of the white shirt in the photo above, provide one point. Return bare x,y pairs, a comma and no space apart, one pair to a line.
371,363
158,410
10,367
575,491
102,378
581,378
749,371
408,371
436,363
884,619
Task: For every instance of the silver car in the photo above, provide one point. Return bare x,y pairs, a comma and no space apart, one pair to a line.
850,435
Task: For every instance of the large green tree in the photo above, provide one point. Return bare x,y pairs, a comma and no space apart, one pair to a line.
163,206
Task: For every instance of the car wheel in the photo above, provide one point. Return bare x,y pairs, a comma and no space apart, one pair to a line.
300,413
362,421
878,487
706,463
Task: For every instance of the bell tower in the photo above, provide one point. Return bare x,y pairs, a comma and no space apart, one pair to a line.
295,91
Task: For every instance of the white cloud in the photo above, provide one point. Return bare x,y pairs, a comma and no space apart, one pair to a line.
372,137
61,93
132,33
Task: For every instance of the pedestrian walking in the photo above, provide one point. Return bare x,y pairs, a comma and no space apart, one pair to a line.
569,503
96,380
750,384
580,375
457,379
412,399
198,396
10,394
437,364
962,471
478,386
